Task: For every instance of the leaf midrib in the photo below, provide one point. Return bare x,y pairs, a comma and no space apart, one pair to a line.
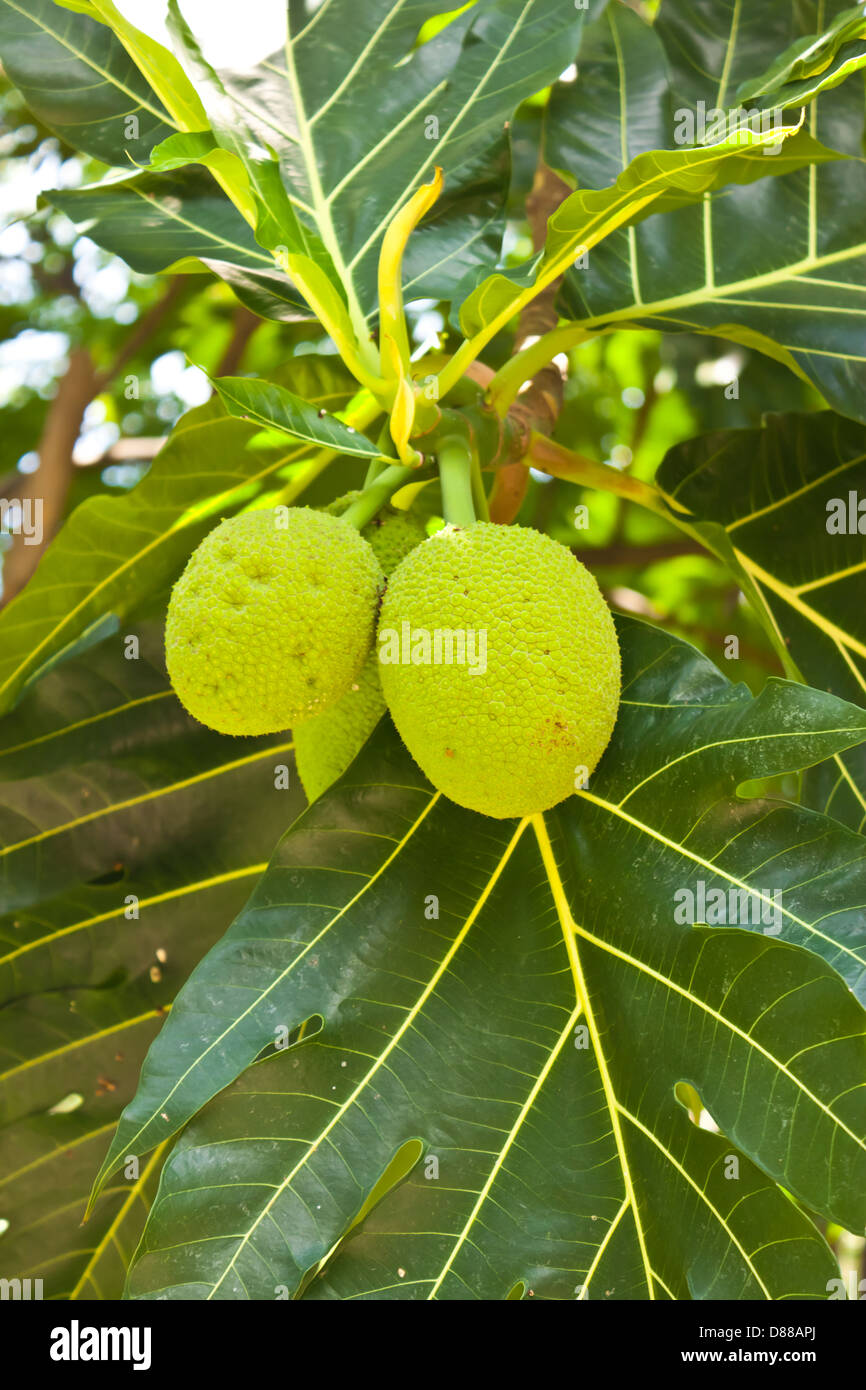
714,870
320,207
779,501
278,980
86,1040
506,1147
152,795
684,1173
571,930
84,723
171,895
783,591
136,1193
441,144
569,927
729,742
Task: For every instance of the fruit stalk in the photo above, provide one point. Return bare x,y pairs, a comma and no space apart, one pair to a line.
479,495
455,472
380,491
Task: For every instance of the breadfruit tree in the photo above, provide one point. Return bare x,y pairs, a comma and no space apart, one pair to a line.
383,917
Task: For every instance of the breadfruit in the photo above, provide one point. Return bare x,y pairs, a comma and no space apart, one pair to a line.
272,619
326,744
500,666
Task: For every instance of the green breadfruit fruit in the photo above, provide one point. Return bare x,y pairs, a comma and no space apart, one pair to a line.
518,724
328,743
272,619
343,503
393,535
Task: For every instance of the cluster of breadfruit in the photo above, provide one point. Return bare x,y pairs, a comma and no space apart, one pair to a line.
273,626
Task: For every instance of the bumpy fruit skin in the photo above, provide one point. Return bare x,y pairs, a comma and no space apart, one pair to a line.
271,623
393,535
516,739
328,743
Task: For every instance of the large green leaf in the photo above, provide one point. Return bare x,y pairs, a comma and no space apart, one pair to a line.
161,221
348,161
442,952
781,502
81,80
77,77
114,552
653,182
129,838
778,266
158,64
273,215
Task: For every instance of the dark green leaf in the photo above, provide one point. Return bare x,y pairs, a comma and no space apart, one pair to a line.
813,64
778,266
652,183
77,77
129,838
276,223
787,503
460,1029
347,162
159,221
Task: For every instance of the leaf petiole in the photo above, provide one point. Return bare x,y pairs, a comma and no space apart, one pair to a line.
505,384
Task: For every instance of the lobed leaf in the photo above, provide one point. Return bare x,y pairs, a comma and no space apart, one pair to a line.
129,837
782,505
564,1159
778,266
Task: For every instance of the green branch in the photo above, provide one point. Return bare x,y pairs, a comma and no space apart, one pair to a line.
479,494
